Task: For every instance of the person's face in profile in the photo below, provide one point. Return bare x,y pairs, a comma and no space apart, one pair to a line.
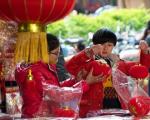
53,56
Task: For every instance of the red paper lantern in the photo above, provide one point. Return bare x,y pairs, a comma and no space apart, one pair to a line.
32,16
138,71
139,106
98,68
64,112
35,11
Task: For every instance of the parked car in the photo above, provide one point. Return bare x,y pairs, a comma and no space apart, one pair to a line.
103,9
68,50
73,40
131,54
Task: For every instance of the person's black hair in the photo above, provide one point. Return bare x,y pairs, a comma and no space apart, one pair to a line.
148,40
147,29
80,46
102,36
52,41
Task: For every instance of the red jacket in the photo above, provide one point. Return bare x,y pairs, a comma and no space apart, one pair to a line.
31,88
145,59
93,98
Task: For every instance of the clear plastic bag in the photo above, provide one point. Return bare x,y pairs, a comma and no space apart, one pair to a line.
126,86
132,94
60,102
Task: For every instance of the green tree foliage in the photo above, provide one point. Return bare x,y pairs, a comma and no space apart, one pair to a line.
81,25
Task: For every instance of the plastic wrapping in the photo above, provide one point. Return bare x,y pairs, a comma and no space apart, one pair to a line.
126,86
13,103
132,94
4,116
117,112
7,46
60,102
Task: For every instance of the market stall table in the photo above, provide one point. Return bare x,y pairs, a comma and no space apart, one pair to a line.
109,114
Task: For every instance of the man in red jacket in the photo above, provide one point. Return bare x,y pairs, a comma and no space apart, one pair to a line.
102,94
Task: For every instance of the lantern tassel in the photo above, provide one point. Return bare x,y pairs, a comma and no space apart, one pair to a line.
31,47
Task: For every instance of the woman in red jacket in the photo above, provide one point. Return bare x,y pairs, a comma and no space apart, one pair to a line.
30,77
145,55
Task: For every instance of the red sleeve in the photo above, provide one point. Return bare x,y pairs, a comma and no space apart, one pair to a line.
31,91
125,66
83,84
145,59
76,63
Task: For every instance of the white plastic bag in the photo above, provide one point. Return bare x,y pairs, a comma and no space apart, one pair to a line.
60,101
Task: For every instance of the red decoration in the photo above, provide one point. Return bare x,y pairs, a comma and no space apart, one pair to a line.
64,112
139,106
124,66
64,94
35,11
98,68
138,71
